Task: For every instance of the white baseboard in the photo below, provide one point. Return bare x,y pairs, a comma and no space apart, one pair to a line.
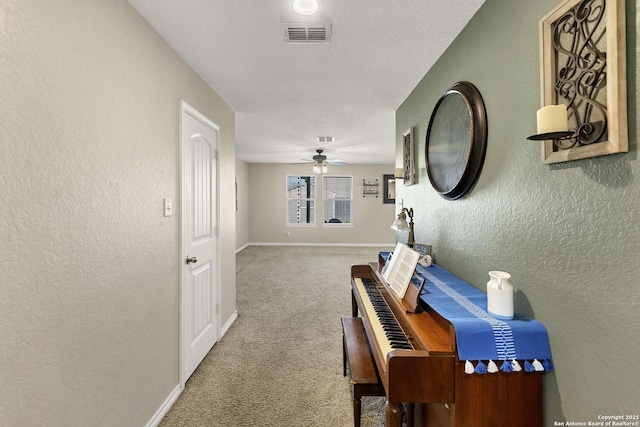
362,245
164,408
227,325
242,247
173,396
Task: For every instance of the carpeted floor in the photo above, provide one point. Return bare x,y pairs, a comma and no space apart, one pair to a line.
280,363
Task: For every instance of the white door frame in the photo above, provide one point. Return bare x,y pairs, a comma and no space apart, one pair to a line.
184,110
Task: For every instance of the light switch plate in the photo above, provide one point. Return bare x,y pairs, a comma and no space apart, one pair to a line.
168,207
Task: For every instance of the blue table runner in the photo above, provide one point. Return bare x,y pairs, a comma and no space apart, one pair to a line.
481,337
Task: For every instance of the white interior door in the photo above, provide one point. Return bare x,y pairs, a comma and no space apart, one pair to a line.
199,248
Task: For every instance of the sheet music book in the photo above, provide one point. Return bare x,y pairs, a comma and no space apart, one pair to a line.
399,270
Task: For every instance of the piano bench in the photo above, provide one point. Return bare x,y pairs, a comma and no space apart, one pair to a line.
356,353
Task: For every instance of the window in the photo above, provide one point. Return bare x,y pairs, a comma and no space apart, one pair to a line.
301,200
337,195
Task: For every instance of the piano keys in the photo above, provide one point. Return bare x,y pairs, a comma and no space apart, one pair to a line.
415,354
385,326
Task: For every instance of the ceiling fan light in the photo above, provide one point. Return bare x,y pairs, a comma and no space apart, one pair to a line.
305,7
320,167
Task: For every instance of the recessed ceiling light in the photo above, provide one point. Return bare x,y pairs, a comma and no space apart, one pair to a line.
305,7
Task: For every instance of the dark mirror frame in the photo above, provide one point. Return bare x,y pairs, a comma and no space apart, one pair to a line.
385,186
477,144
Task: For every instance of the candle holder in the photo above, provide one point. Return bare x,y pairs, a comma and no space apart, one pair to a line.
584,135
556,136
583,65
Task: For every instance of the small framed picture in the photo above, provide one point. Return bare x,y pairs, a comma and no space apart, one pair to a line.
389,185
407,156
422,248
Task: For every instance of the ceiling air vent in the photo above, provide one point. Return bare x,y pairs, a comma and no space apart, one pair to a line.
326,139
307,33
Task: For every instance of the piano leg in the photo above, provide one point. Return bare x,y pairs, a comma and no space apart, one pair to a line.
394,414
354,305
356,412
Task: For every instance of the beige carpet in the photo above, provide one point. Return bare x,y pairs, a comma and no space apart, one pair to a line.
280,364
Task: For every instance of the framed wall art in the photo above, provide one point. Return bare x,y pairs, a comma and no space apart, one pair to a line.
583,65
407,157
389,187
422,248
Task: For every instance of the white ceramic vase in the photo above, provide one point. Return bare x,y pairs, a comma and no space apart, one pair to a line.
500,295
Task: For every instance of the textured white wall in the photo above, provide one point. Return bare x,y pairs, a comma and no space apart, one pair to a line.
88,264
568,233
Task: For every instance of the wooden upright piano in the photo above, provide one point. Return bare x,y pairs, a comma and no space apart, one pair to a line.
416,357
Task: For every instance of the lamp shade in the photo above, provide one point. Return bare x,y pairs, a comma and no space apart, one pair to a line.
400,224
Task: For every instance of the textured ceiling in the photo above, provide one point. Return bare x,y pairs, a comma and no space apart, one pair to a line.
285,95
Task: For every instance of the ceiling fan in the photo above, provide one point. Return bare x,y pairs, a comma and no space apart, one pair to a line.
321,160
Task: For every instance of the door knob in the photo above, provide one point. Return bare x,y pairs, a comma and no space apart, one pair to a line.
191,259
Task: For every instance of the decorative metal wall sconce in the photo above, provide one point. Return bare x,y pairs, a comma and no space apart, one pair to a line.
400,224
583,67
553,125
407,157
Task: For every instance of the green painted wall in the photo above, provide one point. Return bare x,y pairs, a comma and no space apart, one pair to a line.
568,233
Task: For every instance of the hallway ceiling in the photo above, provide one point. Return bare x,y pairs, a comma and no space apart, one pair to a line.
286,95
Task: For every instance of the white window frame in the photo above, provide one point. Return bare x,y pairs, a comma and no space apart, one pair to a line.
312,198
325,199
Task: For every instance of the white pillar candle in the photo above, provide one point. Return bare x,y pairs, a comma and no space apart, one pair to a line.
552,118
